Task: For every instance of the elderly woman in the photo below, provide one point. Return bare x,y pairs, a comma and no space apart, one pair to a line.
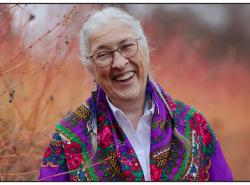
130,129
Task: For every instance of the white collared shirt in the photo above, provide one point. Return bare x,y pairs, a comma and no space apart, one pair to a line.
140,138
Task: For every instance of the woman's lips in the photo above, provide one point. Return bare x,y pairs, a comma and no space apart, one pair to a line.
124,77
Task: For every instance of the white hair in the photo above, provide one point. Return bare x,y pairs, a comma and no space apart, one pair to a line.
99,18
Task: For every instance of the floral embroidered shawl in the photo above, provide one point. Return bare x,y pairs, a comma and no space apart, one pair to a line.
89,145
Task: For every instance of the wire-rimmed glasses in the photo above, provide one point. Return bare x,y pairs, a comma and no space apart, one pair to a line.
105,57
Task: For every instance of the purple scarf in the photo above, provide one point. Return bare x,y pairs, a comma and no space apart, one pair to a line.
89,145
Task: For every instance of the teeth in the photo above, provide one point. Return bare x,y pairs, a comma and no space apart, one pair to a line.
125,76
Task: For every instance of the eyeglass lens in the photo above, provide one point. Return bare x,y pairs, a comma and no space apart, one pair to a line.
127,49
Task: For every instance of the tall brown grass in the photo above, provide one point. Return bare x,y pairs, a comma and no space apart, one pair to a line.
42,81
36,82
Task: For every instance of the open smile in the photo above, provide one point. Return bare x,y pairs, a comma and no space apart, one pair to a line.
124,77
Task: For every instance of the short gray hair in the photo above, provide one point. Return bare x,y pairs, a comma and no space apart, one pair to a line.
97,18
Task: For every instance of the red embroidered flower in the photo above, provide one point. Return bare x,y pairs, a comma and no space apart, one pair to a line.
206,136
197,122
73,148
129,176
75,161
48,152
73,155
155,172
101,118
194,126
199,118
202,174
105,137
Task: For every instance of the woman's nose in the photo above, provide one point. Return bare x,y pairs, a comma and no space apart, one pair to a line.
119,61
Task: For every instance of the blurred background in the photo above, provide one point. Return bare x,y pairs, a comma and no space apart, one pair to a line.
199,54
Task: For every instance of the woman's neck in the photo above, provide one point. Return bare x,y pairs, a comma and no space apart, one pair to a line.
133,109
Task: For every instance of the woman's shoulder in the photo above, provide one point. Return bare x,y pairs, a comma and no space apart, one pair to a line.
188,119
74,122
181,110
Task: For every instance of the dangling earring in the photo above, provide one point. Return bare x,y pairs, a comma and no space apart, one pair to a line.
94,86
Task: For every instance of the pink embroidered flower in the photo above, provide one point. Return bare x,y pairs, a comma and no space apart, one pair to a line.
105,137
73,155
48,152
135,165
155,172
130,152
58,151
124,160
172,105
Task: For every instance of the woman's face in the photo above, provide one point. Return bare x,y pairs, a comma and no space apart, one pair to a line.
125,79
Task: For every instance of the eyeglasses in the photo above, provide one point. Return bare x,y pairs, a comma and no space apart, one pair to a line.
105,58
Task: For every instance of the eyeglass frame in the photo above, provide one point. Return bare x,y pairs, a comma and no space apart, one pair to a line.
113,52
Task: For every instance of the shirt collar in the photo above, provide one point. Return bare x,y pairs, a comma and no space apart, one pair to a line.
149,107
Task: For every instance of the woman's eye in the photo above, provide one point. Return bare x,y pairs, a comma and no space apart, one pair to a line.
102,55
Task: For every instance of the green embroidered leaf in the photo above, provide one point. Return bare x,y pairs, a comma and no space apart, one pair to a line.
154,125
162,124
